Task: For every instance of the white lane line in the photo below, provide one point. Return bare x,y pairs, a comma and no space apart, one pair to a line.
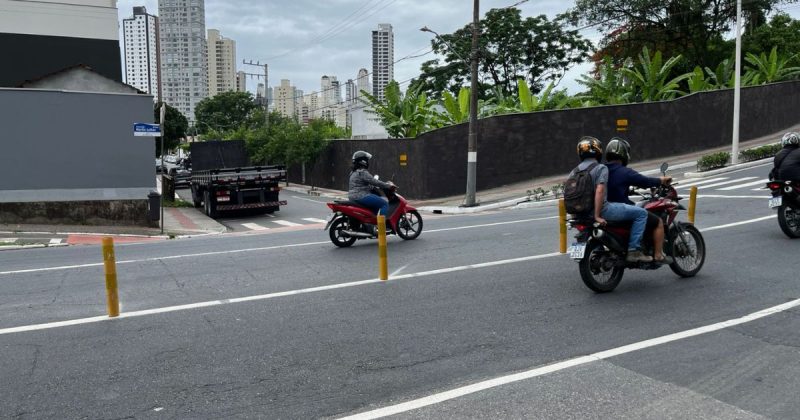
55,241
491,224
254,226
732,196
313,220
733,181
687,183
133,314
566,364
749,184
286,223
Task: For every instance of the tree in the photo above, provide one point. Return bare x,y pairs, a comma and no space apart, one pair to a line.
651,79
768,69
175,127
534,49
226,111
781,32
608,86
402,115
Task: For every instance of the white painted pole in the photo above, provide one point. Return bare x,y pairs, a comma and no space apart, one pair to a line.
737,96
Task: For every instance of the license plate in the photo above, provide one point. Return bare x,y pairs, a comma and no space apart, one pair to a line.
223,198
577,250
775,202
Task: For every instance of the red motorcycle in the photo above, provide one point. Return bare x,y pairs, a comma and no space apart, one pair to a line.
351,221
601,250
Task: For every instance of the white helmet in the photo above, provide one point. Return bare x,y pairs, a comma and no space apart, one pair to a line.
791,138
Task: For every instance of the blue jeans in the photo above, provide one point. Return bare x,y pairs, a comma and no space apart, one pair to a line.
375,203
619,212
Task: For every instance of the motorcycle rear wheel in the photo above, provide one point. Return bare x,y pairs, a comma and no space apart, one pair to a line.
689,253
789,221
336,233
599,269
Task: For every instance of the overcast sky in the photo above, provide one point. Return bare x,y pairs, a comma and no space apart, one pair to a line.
302,40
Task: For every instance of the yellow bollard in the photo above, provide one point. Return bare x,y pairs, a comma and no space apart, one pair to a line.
562,225
692,204
383,265
111,277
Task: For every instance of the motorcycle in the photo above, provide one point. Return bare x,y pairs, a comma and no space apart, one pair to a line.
601,250
351,221
786,199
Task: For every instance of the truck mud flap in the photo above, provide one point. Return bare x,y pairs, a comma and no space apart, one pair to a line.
224,207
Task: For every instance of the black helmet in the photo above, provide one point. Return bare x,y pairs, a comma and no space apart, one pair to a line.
618,149
590,147
361,159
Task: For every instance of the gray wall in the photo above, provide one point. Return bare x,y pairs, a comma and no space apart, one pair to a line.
520,147
70,146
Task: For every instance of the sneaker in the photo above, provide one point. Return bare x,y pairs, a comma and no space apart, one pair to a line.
638,256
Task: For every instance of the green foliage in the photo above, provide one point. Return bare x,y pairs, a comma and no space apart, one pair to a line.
403,116
226,111
651,78
175,127
697,81
456,110
713,161
177,203
609,87
781,32
768,69
758,153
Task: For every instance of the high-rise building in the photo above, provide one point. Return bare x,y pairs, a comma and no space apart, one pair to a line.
184,55
382,59
350,91
312,101
326,91
337,90
221,63
241,81
140,35
286,99
362,83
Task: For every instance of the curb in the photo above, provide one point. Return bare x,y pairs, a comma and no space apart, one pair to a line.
732,168
31,246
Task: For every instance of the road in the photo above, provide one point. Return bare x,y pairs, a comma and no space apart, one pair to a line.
480,319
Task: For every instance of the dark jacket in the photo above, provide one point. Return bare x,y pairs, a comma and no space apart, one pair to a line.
620,179
789,160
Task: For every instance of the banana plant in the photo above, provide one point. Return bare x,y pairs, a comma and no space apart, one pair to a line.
650,78
610,87
401,115
456,110
769,69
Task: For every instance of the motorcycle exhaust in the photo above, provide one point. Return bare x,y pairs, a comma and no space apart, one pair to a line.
354,234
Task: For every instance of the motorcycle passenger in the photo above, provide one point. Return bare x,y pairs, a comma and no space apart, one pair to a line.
621,178
364,189
787,161
590,151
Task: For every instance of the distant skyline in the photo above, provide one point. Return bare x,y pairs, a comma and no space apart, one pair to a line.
303,40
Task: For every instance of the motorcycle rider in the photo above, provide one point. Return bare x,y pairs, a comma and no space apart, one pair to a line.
787,161
364,189
590,150
621,178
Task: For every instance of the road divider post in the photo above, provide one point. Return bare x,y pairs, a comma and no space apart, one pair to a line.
692,203
562,226
110,265
383,266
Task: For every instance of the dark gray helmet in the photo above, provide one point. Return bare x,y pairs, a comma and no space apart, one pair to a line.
618,149
790,139
361,159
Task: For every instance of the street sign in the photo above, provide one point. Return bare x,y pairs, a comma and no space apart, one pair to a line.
146,130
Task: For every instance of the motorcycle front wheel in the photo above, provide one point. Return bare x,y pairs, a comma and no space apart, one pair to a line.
688,250
409,226
789,221
336,232
599,268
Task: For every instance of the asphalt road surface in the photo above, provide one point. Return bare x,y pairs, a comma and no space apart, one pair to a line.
480,319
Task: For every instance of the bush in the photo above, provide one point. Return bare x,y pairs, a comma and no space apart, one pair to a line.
713,161
758,153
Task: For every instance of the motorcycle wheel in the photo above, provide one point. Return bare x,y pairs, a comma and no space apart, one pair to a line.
789,221
599,269
336,232
409,226
689,253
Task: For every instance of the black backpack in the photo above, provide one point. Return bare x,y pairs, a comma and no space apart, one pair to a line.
579,191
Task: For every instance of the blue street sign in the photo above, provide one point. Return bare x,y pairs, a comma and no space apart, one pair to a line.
148,130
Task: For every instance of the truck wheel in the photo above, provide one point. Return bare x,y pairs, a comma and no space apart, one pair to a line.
210,208
196,199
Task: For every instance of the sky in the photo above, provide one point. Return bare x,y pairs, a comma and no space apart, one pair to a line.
302,40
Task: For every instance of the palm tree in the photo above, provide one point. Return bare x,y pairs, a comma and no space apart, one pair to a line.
650,78
769,69
401,115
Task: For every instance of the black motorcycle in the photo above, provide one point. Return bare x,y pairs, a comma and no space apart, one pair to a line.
786,198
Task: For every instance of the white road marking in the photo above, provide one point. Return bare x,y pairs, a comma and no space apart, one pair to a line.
254,226
687,183
55,241
308,199
36,327
749,184
8,240
717,184
566,364
313,220
398,271
286,223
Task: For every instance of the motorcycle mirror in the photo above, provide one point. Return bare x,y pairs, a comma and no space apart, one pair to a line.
664,167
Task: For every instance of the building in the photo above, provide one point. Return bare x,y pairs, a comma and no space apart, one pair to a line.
326,91
337,90
184,55
312,102
286,99
362,83
142,63
39,39
241,81
382,59
350,92
221,63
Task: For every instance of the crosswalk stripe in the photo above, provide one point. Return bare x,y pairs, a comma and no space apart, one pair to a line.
313,220
8,240
254,226
286,223
749,184
733,181
687,183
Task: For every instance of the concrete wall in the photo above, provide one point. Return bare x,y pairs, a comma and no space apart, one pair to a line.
519,147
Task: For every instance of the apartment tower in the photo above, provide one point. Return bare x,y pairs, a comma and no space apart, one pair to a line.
142,64
221,63
382,59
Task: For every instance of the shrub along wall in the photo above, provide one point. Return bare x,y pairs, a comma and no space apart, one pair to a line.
519,147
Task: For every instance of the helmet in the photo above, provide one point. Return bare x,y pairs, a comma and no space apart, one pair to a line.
618,149
590,147
791,138
361,159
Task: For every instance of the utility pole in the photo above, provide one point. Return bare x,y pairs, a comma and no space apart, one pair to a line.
472,148
266,85
737,90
